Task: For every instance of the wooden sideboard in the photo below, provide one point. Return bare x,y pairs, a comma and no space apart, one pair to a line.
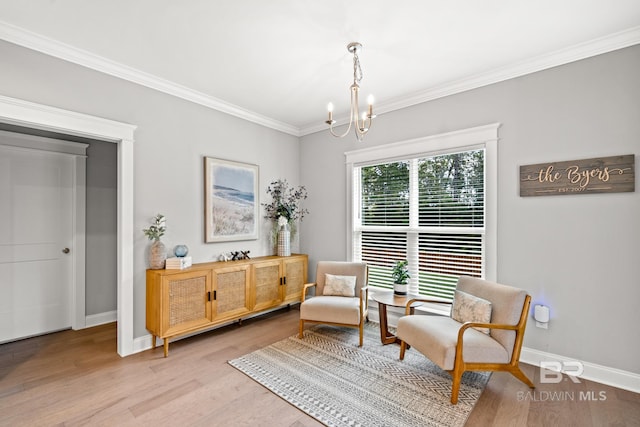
204,295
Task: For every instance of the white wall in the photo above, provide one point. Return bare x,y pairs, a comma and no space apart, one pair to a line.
579,254
172,137
101,260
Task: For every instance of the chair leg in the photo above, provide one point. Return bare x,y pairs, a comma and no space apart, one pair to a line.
517,372
455,388
361,333
301,332
403,348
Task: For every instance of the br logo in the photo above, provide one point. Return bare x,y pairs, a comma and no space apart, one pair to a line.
551,371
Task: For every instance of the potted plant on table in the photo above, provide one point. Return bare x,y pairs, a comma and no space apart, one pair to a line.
400,274
285,211
157,252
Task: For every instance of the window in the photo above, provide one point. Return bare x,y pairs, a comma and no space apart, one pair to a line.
434,208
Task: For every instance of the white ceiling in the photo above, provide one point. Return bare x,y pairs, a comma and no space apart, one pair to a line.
279,62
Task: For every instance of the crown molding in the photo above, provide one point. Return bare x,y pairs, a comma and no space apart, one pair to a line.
48,46
37,42
573,53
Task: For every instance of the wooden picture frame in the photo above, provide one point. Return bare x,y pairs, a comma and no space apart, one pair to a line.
231,203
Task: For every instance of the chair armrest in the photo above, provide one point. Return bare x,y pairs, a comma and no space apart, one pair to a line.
364,296
364,300
407,310
304,291
467,325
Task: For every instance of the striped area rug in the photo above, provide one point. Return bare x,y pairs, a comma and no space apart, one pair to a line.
330,378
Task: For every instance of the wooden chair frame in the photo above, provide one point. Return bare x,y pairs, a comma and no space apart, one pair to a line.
460,366
364,312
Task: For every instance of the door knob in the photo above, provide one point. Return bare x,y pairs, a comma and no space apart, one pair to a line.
66,250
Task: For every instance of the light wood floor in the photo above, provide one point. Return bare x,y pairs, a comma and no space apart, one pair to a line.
76,378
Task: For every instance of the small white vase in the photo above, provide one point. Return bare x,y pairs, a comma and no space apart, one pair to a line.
400,289
284,241
157,255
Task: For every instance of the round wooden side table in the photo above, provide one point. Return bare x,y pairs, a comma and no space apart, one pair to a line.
384,299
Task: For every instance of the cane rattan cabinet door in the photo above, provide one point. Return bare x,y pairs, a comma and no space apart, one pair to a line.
295,276
231,289
177,301
186,306
267,284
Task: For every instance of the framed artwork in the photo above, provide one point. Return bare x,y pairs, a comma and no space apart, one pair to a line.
231,200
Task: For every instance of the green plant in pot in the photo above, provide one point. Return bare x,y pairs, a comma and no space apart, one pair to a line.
400,274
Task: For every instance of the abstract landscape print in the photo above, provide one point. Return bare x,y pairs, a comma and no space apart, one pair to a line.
231,205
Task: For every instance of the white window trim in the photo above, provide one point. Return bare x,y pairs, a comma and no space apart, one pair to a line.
477,137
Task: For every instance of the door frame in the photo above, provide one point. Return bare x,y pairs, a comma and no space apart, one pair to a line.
43,117
77,153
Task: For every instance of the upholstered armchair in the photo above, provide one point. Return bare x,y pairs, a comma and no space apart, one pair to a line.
341,295
483,333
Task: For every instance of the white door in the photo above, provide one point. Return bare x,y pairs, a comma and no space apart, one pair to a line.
36,235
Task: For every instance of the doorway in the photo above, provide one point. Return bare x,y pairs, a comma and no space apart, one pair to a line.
37,116
95,301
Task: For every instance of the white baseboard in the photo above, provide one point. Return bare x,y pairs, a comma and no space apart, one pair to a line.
100,318
146,342
592,371
139,344
142,344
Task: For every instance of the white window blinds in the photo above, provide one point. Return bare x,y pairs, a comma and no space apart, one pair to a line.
429,210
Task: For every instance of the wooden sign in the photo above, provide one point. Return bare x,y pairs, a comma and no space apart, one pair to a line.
601,175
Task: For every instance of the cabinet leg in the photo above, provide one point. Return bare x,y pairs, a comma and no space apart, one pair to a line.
153,342
166,347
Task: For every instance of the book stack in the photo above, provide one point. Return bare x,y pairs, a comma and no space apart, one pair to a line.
178,263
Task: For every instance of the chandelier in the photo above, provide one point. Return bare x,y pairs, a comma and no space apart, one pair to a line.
361,124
